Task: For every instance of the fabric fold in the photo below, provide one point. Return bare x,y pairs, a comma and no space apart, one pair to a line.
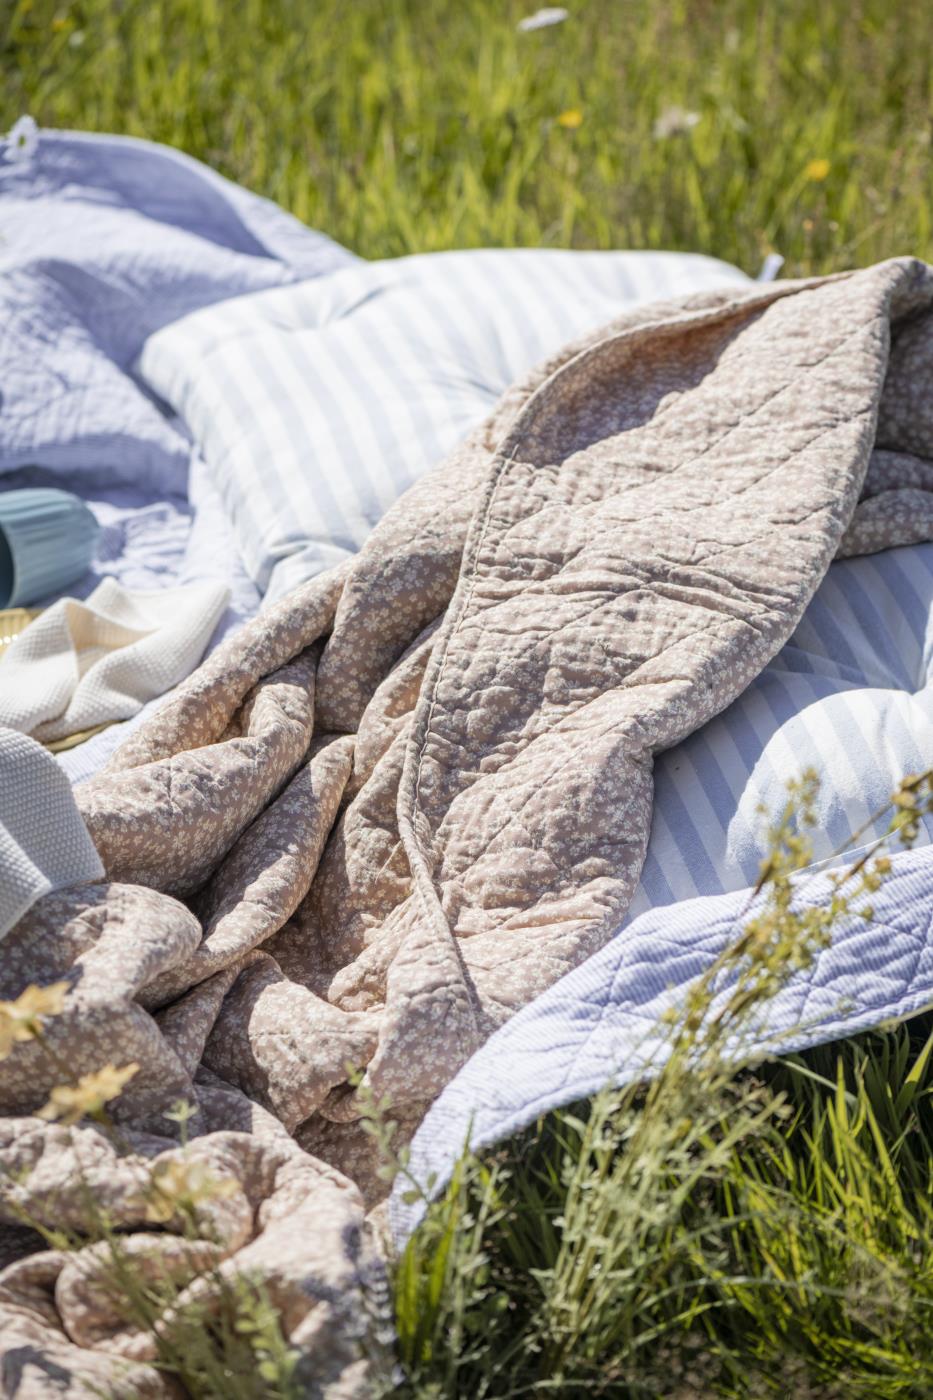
83,664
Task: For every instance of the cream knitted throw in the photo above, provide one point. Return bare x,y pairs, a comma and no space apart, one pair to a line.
83,664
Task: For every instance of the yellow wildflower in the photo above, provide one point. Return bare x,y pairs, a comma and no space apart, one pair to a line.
181,1183
69,1102
571,119
817,169
22,1019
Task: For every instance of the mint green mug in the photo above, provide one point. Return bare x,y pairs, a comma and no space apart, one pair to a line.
47,540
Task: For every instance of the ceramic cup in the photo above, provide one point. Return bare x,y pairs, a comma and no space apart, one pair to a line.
47,540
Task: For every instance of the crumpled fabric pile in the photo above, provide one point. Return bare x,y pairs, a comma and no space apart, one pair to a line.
417,791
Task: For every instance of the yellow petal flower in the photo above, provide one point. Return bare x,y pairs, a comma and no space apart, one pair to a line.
817,169
69,1102
21,1019
571,119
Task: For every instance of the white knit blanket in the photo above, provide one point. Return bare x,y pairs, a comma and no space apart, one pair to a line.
83,664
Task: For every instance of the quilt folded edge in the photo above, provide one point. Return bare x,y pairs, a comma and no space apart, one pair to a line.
602,1024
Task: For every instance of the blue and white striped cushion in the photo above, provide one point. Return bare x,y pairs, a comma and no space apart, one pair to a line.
316,405
850,695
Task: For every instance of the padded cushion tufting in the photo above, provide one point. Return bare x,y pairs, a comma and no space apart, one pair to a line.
316,405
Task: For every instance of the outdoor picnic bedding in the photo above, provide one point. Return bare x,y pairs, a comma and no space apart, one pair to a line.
407,798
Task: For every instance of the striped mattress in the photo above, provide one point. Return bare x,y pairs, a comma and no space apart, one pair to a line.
315,405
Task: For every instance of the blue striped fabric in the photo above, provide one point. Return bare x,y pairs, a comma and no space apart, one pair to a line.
850,695
316,405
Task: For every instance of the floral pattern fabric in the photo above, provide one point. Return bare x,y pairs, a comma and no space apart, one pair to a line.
418,790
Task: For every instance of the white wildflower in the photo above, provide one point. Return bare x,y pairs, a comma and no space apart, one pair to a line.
22,140
541,19
674,121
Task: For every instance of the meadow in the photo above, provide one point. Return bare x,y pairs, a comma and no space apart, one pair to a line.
722,126
781,1243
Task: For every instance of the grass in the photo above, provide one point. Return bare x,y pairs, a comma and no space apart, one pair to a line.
714,1232
782,1247
797,1261
418,124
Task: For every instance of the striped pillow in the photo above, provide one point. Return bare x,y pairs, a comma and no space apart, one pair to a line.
850,695
316,405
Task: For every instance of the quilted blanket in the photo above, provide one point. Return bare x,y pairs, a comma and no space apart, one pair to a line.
406,800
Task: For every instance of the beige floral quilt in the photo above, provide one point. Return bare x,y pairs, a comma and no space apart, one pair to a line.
409,797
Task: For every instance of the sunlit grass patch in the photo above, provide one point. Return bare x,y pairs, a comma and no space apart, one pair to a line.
405,125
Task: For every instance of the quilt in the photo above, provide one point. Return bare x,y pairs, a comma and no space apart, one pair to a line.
403,802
